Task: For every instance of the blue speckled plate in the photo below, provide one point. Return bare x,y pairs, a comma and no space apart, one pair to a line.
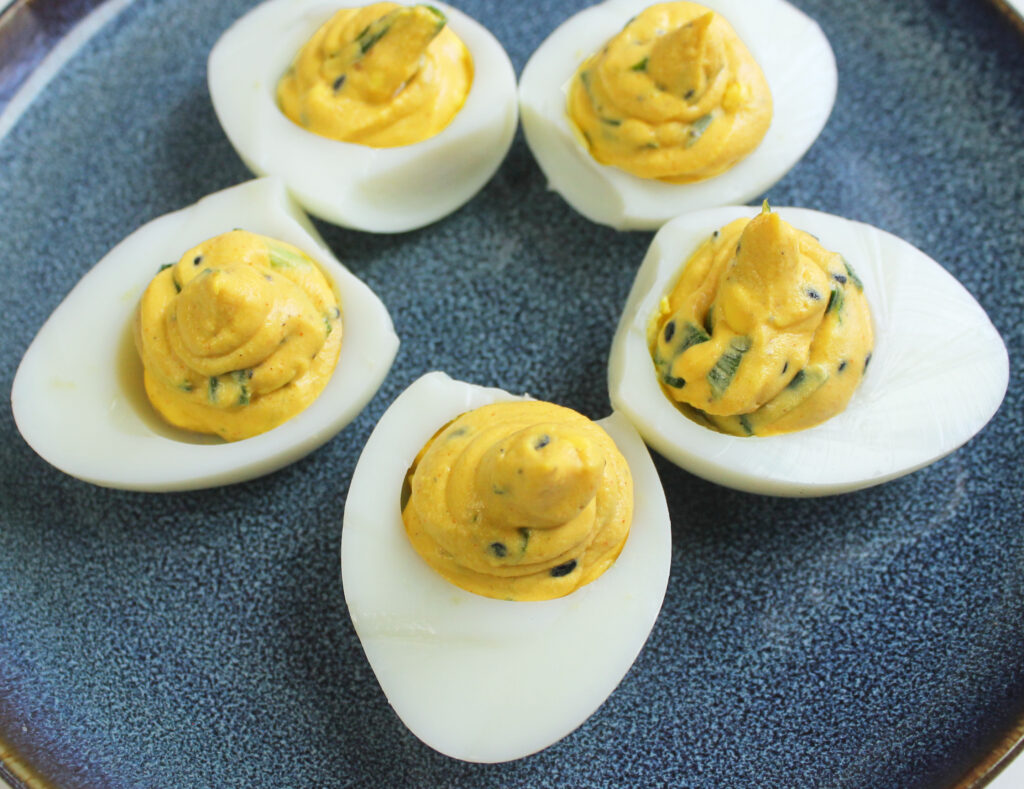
873,639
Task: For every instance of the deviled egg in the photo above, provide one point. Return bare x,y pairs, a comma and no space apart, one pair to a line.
78,396
443,655
592,156
938,369
287,78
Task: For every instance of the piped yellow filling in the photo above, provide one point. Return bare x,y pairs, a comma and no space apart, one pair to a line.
674,96
238,336
383,75
519,501
765,332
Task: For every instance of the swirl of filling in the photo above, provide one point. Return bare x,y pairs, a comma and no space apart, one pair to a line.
765,332
241,334
519,501
383,75
675,96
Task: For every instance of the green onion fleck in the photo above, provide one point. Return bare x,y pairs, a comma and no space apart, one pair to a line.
835,301
853,276
241,378
697,128
720,376
280,257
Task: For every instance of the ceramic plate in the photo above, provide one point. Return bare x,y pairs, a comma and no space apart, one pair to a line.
194,639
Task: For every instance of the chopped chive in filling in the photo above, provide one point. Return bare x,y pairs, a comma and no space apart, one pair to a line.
697,128
524,540
720,376
835,301
285,258
242,379
853,276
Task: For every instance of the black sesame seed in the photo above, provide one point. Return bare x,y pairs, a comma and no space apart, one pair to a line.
840,278
197,260
542,442
498,549
813,294
785,367
842,365
670,329
563,569
339,82
716,234
867,361
688,94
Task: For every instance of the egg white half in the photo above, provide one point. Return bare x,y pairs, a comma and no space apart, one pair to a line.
938,372
794,55
382,190
479,679
78,397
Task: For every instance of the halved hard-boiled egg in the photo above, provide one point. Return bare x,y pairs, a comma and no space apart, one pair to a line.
377,189
794,57
477,678
78,396
937,374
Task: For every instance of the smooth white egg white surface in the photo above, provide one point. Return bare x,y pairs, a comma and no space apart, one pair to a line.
938,372
78,397
479,679
794,55
382,190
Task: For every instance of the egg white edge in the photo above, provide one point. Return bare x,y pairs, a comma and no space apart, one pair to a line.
932,340
461,702
93,432
381,190
614,197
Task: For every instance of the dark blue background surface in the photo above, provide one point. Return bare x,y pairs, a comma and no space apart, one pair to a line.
873,639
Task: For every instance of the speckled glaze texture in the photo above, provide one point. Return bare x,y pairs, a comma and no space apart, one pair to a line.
868,640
